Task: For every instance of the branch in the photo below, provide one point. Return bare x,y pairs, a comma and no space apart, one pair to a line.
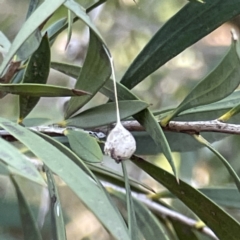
195,127
165,212
191,127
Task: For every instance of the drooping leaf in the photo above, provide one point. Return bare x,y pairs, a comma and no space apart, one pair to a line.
190,24
95,72
147,222
220,83
85,146
105,114
132,222
229,168
73,176
37,71
145,118
29,223
40,90
57,223
12,157
208,212
32,23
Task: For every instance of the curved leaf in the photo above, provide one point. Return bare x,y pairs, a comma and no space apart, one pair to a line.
105,114
223,225
37,71
221,82
85,188
85,146
40,90
96,70
191,23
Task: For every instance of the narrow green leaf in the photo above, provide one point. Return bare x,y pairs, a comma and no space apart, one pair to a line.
145,118
190,24
40,90
68,69
33,22
132,222
70,23
29,223
231,171
58,226
85,146
81,13
105,114
12,157
85,188
221,82
95,72
37,71
223,225
148,224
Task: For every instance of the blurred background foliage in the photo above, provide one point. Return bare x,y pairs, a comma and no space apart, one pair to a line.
126,26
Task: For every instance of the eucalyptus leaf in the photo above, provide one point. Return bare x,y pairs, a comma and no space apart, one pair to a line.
95,72
33,22
218,84
85,188
85,146
37,71
190,24
223,225
105,114
40,90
